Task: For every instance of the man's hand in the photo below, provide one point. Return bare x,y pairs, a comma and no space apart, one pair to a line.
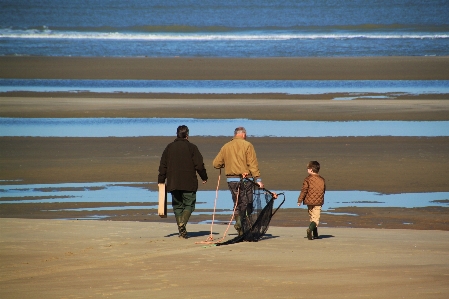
299,203
204,182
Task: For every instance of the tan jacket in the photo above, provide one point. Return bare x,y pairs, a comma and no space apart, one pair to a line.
312,191
237,157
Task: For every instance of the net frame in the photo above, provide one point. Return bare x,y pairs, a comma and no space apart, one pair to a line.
255,225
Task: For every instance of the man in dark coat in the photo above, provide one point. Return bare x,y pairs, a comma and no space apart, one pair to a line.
180,162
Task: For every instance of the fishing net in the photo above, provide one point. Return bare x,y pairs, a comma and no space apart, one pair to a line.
255,225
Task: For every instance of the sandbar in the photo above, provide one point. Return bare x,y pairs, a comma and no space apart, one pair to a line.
200,68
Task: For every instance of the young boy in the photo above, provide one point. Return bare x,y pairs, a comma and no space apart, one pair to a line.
312,195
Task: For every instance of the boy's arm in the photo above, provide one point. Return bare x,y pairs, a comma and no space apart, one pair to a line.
304,190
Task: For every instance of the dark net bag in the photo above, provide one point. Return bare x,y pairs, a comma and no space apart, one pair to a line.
255,225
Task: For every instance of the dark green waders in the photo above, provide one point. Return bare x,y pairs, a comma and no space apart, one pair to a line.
181,226
183,206
238,225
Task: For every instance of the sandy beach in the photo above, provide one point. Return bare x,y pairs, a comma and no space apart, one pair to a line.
104,259
137,255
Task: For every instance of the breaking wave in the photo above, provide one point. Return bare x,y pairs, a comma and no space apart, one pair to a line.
189,33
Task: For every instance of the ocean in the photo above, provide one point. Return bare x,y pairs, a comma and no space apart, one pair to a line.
208,28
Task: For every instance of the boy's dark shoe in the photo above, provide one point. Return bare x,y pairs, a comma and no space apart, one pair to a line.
310,230
309,234
315,233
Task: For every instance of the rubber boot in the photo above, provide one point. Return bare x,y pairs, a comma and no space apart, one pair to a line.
181,227
312,226
238,225
185,216
315,233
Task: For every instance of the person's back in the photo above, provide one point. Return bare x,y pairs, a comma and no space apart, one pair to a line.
237,157
183,160
315,190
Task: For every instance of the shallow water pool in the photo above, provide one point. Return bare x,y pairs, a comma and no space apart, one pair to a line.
134,127
126,192
392,87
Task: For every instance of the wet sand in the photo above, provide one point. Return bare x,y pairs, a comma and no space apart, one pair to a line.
323,108
343,68
378,164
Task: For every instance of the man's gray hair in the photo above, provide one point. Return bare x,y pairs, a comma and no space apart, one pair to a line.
239,130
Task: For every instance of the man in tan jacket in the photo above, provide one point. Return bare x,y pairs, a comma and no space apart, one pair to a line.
238,157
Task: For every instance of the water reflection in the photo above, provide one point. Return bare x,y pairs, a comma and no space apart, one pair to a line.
133,193
134,127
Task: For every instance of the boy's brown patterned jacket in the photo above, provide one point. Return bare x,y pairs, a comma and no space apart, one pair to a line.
313,189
